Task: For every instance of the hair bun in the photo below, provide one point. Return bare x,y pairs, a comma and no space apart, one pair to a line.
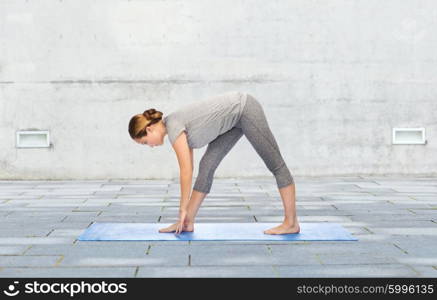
149,113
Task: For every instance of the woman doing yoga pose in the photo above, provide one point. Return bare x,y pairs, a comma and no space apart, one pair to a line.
219,121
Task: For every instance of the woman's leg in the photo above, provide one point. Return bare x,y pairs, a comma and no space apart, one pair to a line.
214,154
255,127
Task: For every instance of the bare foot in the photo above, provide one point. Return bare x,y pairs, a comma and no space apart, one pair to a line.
284,228
172,228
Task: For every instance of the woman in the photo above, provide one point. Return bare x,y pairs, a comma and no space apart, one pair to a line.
218,121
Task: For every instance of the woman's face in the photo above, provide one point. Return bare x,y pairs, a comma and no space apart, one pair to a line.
153,137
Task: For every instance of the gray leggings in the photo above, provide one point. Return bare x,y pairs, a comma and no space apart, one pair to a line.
253,124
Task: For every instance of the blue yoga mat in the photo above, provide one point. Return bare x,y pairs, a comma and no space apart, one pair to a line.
213,232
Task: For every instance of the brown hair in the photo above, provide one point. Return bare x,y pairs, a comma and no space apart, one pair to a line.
139,122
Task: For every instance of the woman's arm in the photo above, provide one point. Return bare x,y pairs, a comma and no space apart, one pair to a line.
185,159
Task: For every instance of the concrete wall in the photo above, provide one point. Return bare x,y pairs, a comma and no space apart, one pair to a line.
334,77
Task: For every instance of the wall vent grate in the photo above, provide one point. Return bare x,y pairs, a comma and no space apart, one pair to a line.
407,136
33,139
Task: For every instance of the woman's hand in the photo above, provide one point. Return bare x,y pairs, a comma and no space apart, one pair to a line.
182,219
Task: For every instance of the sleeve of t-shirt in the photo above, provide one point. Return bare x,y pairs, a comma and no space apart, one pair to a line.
175,131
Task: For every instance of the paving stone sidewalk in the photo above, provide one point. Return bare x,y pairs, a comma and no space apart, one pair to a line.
394,218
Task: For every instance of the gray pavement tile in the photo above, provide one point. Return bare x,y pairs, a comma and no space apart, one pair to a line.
133,213
234,214
107,249
140,181
87,207
127,218
373,237
126,207
62,185
219,209
347,270
35,240
410,194
211,219
330,179
325,218
355,258
33,218
351,197
423,231
80,218
114,254
311,212
427,211
418,260
58,193
382,212
13,250
50,205
366,184
431,198
162,195
208,271
338,248
412,189
218,198
19,197
42,224
32,261
238,194
29,211
229,204
425,271
368,206
114,196
413,206
393,179
137,206
156,194
251,189
13,204
132,197
354,230
58,272
50,213
168,249
66,232
402,199
23,232
412,241
393,223
416,246
249,254
12,184
123,261
370,218
359,193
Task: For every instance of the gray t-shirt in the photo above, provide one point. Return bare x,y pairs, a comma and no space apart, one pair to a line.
206,119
